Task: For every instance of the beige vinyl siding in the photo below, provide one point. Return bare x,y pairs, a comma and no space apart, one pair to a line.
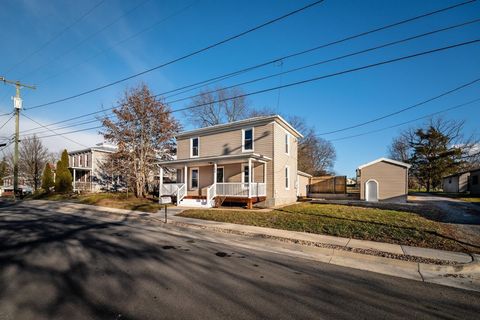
303,183
228,143
280,160
391,178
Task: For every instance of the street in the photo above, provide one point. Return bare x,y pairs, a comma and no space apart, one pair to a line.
76,266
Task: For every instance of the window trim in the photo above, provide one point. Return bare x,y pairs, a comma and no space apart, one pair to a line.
287,143
287,177
191,147
223,176
243,139
191,178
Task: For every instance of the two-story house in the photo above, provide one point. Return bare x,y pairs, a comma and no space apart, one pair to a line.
88,167
253,161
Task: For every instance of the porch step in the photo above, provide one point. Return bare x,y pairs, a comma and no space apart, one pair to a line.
200,203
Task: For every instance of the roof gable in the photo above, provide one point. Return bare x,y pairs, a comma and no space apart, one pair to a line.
391,161
239,124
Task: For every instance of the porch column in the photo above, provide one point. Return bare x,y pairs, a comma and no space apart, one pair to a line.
74,178
160,183
214,173
185,177
265,174
250,177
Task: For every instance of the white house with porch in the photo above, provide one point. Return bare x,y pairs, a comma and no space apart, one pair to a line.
252,161
87,166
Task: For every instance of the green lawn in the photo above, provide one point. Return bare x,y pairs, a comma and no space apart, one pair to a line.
112,200
344,221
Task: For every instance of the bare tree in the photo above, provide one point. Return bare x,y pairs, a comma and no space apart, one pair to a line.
143,131
399,149
316,155
216,107
33,156
436,149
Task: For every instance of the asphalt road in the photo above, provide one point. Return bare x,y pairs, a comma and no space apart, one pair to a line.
61,266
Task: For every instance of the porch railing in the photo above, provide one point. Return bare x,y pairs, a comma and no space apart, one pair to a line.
211,193
181,192
170,189
82,186
236,189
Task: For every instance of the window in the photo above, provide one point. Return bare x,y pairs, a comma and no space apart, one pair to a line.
194,178
474,180
220,175
287,143
246,174
248,139
287,177
449,180
194,144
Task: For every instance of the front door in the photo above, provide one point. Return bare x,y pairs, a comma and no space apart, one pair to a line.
371,191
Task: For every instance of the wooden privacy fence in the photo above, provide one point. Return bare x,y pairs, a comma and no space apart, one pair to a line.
328,184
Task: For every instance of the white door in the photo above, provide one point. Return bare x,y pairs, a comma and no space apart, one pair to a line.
371,190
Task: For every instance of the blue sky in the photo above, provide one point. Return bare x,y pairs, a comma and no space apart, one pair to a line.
97,50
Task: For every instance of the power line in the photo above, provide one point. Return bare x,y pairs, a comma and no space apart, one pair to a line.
407,122
55,37
130,37
291,84
348,38
241,34
296,69
403,109
331,60
56,133
5,123
71,49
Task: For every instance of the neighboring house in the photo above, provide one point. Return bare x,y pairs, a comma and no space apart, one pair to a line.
475,182
88,168
249,161
383,180
456,182
24,185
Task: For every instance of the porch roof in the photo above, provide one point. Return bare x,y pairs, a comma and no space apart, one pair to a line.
230,158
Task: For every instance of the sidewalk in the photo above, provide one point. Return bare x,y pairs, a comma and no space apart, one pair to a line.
448,268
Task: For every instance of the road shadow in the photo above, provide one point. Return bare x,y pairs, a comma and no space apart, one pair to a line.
62,266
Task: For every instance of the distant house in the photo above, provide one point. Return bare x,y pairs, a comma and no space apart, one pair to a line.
383,180
456,183
24,185
87,167
474,184
249,161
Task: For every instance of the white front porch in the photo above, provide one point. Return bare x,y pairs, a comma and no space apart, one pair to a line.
208,184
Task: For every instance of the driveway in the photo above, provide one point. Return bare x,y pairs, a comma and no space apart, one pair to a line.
75,266
463,216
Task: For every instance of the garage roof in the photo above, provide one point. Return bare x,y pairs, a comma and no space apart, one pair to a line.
398,163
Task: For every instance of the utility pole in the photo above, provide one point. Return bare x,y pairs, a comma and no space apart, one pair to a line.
17,105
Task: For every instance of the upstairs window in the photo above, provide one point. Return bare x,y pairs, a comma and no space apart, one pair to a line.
248,139
287,143
287,177
194,143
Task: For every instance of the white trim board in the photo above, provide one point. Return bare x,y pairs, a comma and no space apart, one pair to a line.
399,163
